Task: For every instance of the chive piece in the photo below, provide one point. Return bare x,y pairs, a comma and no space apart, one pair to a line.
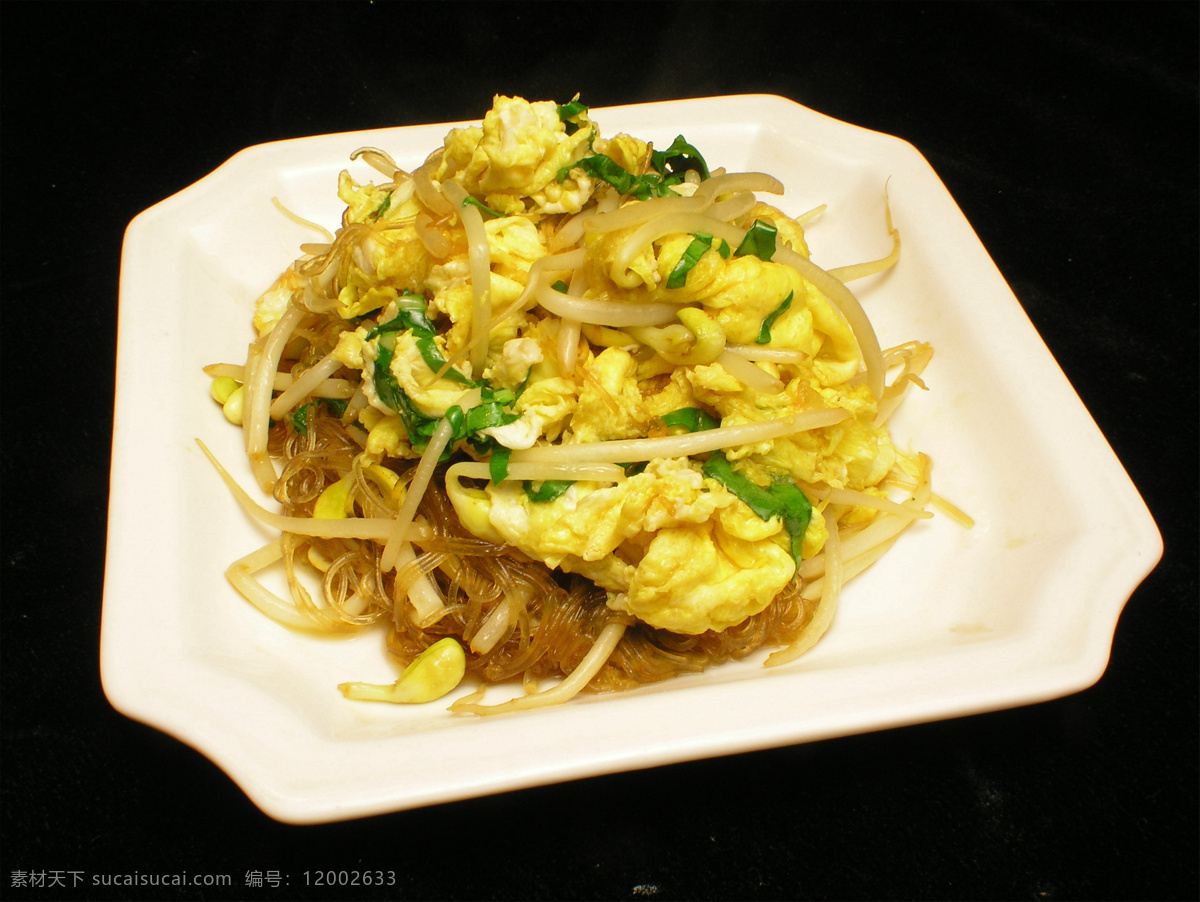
487,415
608,170
386,386
384,205
470,201
571,110
300,418
764,333
701,242
781,499
457,420
759,241
435,361
759,499
568,111
670,165
418,426
413,317
498,464
678,159
546,491
642,187
693,419
796,512
300,415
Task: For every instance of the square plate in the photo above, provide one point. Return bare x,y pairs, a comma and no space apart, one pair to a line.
952,621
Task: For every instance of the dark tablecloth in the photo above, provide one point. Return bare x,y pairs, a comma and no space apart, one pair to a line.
1068,135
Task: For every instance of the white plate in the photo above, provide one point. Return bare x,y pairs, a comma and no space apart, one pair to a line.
1019,609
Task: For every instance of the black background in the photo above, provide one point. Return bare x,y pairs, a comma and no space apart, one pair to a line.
1067,133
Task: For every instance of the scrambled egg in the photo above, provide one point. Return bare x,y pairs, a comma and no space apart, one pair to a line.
274,301
513,161
674,548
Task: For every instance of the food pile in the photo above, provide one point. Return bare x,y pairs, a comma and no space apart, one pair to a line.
581,405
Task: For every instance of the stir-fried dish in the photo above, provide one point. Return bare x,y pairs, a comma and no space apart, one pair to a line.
568,411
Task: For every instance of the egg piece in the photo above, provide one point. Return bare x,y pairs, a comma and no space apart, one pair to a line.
735,403
361,296
667,393
634,279
413,376
630,153
379,266
854,454
273,302
517,155
349,348
515,243
376,203
789,233
610,403
457,303
545,399
388,438
516,363
746,291
362,201
673,548
739,291
589,521
543,409
700,578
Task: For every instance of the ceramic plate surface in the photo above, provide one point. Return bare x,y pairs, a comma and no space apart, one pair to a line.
952,621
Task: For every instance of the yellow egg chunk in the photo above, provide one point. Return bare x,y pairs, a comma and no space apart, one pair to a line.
673,548
518,154
362,201
272,303
702,578
610,403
